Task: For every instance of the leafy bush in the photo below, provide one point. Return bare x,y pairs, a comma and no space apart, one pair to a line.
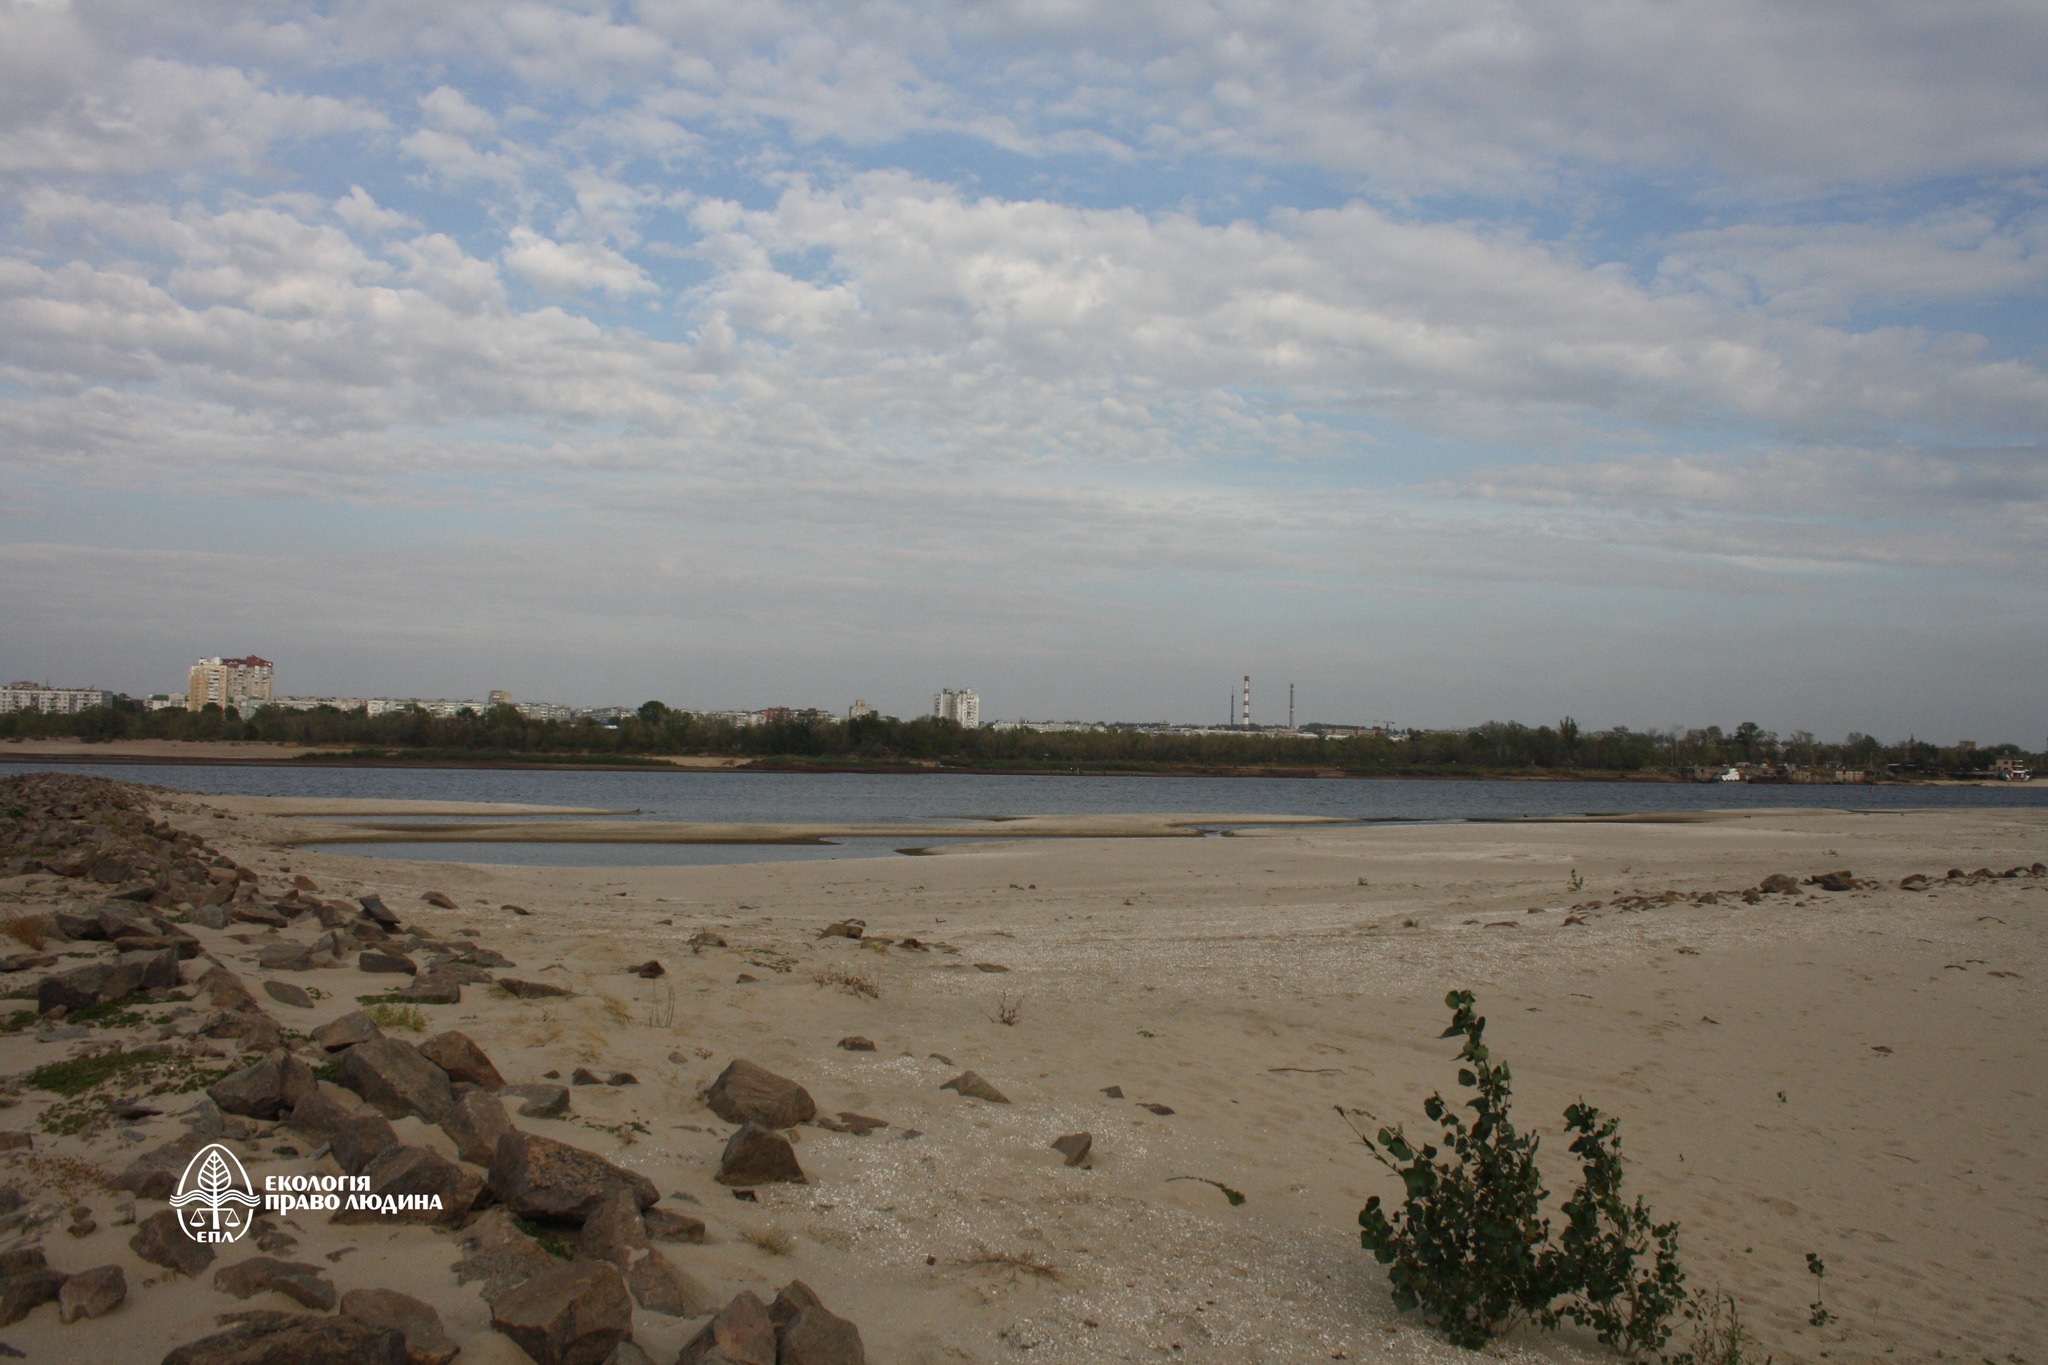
1469,1245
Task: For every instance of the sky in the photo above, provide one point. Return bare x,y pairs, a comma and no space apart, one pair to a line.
1659,362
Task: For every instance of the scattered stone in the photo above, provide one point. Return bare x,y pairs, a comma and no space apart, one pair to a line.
304,883
807,1333
613,1231
542,1101
92,1293
704,938
657,1286
360,1139
426,1175
530,990
207,917
758,1156
744,978
971,1085
650,969
856,1043
296,1280
462,1059
747,1093
583,1075
627,1353
16,1142
1843,880
1160,1109
270,1089
26,1283
292,957
432,989
622,1078
860,1125
1778,884
426,1341
160,1240
1916,882
538,1177
438,898
285,993
1115,1092
386,963
392,1075
846,928
377,910
294,1339
516,909
990,967
741,1334
154,1174
347,1031
666,1225
1075,1147
568,1315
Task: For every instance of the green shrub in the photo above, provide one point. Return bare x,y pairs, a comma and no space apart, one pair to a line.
1469,1245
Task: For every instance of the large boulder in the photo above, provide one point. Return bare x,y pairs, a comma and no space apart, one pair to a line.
746,1093
758,1156
319,1114
26,1283
360,1139
294,1339
462,1059
391,1074
161,1241
154,1174
426,1341
495,1251
569,1315
741,1334
807,1333
92,1293
269,1089
428,1187
299,1281
538,1177
113,979
476,1123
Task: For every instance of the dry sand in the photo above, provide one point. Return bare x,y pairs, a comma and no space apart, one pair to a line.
1858,1074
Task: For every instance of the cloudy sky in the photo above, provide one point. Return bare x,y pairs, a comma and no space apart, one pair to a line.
1673,362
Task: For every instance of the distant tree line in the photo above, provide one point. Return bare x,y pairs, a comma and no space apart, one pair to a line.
1497,747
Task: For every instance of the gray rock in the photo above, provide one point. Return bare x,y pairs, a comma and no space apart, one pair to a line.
207,916
666,1225
154,1174
613,1231
338,1035
476,1123
392,1075
285,993
271,1088
747,1093
24,1292
371,960
462,1059
856,1043
657,1286
360,1139
418,1172
92,1293
292,957
538,1177
319,1114
740,1334
426,1340
432,989
627,1353
758,1156
374,907
572,1314
439,898
971,1085
294,1339
161,1241
298,1281
530,990
498,1253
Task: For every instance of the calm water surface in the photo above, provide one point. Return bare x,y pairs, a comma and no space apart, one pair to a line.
829,798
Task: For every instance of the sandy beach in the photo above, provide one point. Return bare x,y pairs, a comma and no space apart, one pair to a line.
1856,1074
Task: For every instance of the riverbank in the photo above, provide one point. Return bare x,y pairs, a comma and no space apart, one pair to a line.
1850,1073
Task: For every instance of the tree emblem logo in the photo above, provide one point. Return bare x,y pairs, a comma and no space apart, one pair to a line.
215,1201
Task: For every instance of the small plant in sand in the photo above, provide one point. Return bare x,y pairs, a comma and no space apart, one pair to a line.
662,1013
853,983
1817,1314
1469,1245
1007,1011
1718,1336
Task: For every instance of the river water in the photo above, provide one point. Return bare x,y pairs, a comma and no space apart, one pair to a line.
834,798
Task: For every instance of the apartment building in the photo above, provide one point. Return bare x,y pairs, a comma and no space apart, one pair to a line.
241,683
959,705
55,701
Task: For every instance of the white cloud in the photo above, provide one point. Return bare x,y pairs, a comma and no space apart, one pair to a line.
574,267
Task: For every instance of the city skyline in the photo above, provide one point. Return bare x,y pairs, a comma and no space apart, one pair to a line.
1663,365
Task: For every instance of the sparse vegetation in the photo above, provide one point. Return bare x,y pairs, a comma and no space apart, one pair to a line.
1018,1262
774,1241
1233,1197
662,1013
1718,1336
31,931
1817,1314
1469,1246
1007,1011
549,1235
408,1018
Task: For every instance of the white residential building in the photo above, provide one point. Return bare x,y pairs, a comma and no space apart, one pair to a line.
861,707
241,683
56,701
958,705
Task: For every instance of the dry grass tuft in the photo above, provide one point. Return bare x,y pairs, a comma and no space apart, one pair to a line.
407,1017
853,983
774,1241
1016,1262
31,931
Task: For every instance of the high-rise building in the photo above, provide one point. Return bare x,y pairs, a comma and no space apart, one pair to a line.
861,707
240,683
958,705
